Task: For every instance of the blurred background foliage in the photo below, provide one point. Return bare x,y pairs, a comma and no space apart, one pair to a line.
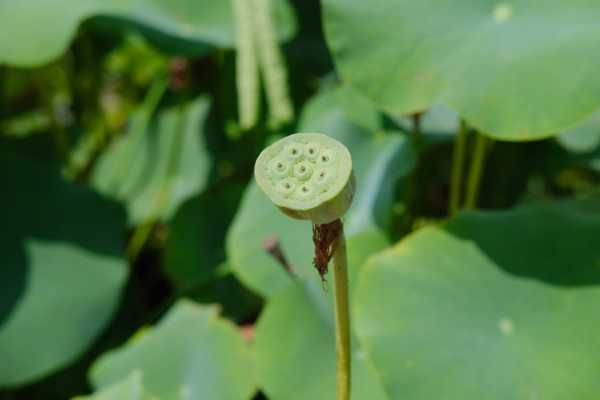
140,261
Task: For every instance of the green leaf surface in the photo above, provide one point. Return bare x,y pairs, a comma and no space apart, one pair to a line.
130,388
498,305
62,270
583,138
191,354
295,349
159,163
379,160
36,32
515,70
438,123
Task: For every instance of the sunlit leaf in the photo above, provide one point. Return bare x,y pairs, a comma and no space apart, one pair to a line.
515,71
438,122
498,305
192,354
583,138
157,164
38,32
130,388
62,270
295,350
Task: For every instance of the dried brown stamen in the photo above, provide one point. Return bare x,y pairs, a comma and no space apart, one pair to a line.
325,237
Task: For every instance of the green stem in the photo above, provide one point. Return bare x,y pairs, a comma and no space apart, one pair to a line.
458,162
416,132
138,240
475,172
342,319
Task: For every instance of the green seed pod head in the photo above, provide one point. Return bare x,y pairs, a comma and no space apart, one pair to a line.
308,176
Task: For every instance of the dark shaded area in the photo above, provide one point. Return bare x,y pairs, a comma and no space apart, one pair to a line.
37,203
13,275
568,239
112,26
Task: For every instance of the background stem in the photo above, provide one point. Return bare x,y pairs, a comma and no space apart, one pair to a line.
342,318
458,162
476,171
417,132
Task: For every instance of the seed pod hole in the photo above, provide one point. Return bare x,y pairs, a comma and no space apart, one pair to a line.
305,191
326,157
286,187
279,168
303,170
294,151
312,151
323,176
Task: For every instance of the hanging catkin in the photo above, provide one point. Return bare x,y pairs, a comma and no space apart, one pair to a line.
247,78
271,63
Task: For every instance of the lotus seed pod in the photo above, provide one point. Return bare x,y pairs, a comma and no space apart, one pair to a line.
308,176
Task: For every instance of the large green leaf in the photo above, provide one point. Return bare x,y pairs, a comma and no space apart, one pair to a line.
130,388
378,160
499,305
190,354
36,32
515,70
159,164
583,138
438,123
62,270
295,349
